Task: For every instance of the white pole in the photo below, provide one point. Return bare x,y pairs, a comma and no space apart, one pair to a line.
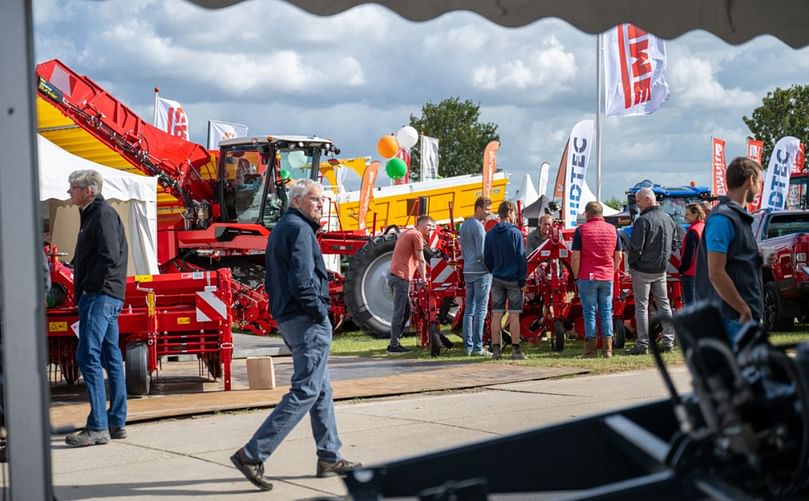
599,69
156,94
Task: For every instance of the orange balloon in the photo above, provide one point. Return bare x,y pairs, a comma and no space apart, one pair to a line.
387,146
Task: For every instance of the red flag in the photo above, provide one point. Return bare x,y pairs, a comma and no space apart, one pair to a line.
797,167
755,149
489,166
367,191
559,188
719,185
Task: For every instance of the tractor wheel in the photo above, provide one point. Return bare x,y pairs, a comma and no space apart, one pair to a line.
70,370
368,296
618,332
774,317
214,365
137,368
435,341
558,341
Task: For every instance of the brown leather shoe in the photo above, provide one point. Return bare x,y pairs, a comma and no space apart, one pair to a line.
252,470
606,345
590,348
341,467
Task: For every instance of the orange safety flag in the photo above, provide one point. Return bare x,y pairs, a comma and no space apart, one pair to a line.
559,187
367,192
719,186
489,166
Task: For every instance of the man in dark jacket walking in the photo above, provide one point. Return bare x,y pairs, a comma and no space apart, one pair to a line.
298,285
99,280
504,256
652,243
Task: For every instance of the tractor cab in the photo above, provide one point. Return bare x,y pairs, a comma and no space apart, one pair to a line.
673,200
253,174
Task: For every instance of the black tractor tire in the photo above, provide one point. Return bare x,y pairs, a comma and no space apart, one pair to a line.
367,295
775,318
618,333
558,339
137,368
435,341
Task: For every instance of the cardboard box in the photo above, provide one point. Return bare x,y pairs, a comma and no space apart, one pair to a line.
260,373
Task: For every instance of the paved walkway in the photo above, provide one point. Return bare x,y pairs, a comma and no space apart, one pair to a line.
184,458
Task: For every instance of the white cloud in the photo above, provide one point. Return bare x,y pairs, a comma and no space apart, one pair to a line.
694,83
549,68
468,38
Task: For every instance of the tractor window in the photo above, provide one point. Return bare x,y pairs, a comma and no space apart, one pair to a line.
243,178
675,207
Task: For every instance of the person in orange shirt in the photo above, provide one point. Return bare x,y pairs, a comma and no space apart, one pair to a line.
408,255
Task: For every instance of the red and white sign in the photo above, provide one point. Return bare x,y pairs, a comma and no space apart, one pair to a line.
635,66
719,185
755,150
210,307
170,117
800,157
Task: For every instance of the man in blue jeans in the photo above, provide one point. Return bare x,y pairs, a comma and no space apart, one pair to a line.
595,257
477,278
298,285
99,280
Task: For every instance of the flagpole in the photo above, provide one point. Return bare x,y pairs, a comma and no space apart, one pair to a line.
599,69
156,93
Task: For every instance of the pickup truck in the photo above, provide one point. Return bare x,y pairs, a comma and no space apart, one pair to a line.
786,282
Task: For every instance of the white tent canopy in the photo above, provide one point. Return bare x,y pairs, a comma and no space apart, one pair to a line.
526,193
133,197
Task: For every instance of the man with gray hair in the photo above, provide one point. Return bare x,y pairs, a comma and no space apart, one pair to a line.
99,280
297,282
652,243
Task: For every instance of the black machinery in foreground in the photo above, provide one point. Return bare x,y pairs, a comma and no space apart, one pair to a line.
742,434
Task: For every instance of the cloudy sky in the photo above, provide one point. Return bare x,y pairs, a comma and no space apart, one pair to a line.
358,75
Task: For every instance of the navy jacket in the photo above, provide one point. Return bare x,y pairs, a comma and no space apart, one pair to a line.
101,252
504,253
297,280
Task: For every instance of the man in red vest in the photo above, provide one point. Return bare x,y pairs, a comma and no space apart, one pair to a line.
596,254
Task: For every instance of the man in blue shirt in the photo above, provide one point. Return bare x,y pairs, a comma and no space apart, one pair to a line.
477,278
729,264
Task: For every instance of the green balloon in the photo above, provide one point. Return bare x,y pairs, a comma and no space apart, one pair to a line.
396,168
285,174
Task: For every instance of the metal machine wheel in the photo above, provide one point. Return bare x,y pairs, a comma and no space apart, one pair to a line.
618,332
558,340
137,368
368,296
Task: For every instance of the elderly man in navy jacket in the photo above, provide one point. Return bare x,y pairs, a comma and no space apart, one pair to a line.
298,285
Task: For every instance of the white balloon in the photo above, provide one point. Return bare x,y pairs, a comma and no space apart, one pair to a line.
407,137
296,159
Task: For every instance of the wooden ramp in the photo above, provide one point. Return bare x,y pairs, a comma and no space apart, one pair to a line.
183,396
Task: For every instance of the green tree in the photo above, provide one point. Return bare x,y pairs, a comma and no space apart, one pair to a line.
615,203
783,112
461,136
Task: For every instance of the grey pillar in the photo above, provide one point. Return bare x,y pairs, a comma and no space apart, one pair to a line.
26,382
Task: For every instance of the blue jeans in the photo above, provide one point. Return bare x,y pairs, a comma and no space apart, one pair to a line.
310,393
477,301
98,347
689,285
732,328
596,293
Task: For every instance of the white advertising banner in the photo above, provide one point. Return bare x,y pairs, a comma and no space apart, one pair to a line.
429,158
219,131
634,71
578,154
170,117
776,181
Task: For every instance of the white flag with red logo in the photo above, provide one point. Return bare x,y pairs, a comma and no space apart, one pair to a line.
219,131
776,183
170,117
635,66
719,186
